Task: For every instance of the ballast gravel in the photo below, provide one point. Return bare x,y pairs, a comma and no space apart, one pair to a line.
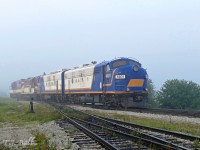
56,135
14,137
170,118
18,138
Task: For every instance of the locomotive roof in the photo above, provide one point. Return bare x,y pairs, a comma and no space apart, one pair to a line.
116,59
79,67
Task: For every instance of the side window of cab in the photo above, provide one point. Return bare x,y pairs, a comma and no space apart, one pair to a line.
107,68
107,71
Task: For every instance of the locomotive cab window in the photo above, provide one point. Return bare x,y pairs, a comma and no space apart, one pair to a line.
134,63
107,68
119,63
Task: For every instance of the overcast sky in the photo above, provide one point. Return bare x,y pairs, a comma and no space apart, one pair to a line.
39,36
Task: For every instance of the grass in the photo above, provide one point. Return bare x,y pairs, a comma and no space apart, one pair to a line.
187,128
42,143
71,130
69,144
196,144
15,112
70,113
3,147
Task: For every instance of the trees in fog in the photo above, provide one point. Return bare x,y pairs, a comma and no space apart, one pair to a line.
175,94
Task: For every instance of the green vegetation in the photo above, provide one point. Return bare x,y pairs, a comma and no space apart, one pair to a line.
196,144
179,127
17,113
69,144
174,94
152,102
71,130
3,147
70,113
179,94
42,143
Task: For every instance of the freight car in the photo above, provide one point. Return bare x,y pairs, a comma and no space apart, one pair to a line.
119,82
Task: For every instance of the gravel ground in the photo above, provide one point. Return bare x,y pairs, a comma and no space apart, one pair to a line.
56,135
15,137
20,137
169,118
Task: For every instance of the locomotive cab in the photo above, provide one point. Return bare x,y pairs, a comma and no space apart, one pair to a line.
125,76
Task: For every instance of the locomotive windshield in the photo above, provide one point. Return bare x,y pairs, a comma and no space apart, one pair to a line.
131,62
119,63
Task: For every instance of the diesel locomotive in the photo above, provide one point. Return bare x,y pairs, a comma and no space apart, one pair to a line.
121,82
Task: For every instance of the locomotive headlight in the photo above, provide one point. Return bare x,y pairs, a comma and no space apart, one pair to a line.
127,89
135,68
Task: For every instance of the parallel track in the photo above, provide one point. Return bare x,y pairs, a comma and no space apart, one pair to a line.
158,130
175,112
130,134
121,140
178,140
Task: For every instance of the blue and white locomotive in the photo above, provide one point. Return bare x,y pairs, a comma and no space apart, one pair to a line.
119,82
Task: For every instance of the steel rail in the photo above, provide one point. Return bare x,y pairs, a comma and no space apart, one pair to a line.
144,135
177,112
89,133
147,142
177,134
163,145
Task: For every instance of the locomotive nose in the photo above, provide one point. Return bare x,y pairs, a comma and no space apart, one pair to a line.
137,78
141,71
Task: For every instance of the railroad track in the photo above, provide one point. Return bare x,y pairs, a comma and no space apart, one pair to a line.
82,140
114,134
183,141
175,112
110,138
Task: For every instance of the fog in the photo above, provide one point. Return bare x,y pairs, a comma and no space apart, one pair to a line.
38,36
